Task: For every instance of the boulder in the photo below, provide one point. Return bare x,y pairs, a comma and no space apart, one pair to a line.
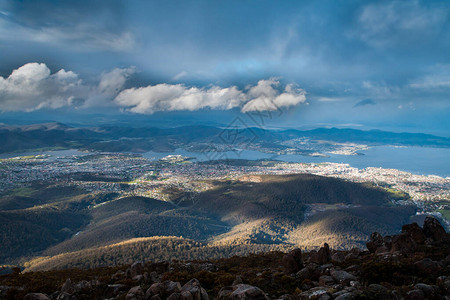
112,290
137,268
237,280
65,296
135,293
83,287
428,290
286,297
414,232
36,296
292,261
338,257
225,292
377,291
345,296
376,241
403,243
303,274
324,254
4,290
415,295
139,278
242,291
353,253
342,276
326,280
185,295
428,266
433,229
67,287
314,293
174,296
118,275
163,289
194,288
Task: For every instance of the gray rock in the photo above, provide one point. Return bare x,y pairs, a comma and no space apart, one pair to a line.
377,291
65,296
36,296
376,241
118,275
338,257
67,287
345,296
324,254
238,280
225,292
428,290
433,229
314,293
242,291
415,295
135,293
195,289
325,269
112,290
174,296
4,289
403,243
428,266
326,280
139,278
342,276
292,261
303,274
285,297
137,268
83,287
163,289
353,254
415,232
185,295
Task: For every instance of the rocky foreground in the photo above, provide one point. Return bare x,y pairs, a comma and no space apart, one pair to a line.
414,264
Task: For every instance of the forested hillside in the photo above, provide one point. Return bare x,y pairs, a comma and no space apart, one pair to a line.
261,212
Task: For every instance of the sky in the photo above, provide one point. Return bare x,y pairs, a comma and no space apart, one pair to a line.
362,64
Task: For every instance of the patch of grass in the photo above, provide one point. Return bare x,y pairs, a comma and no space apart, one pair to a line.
445,213
22,192
397,195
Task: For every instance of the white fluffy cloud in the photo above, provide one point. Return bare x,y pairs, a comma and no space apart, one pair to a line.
33,86
264,96
166,97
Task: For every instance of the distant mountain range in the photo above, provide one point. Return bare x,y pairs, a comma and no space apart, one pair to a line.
128,139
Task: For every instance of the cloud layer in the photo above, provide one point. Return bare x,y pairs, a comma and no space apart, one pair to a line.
166,97
33,87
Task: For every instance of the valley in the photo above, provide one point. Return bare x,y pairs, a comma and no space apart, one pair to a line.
96,209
